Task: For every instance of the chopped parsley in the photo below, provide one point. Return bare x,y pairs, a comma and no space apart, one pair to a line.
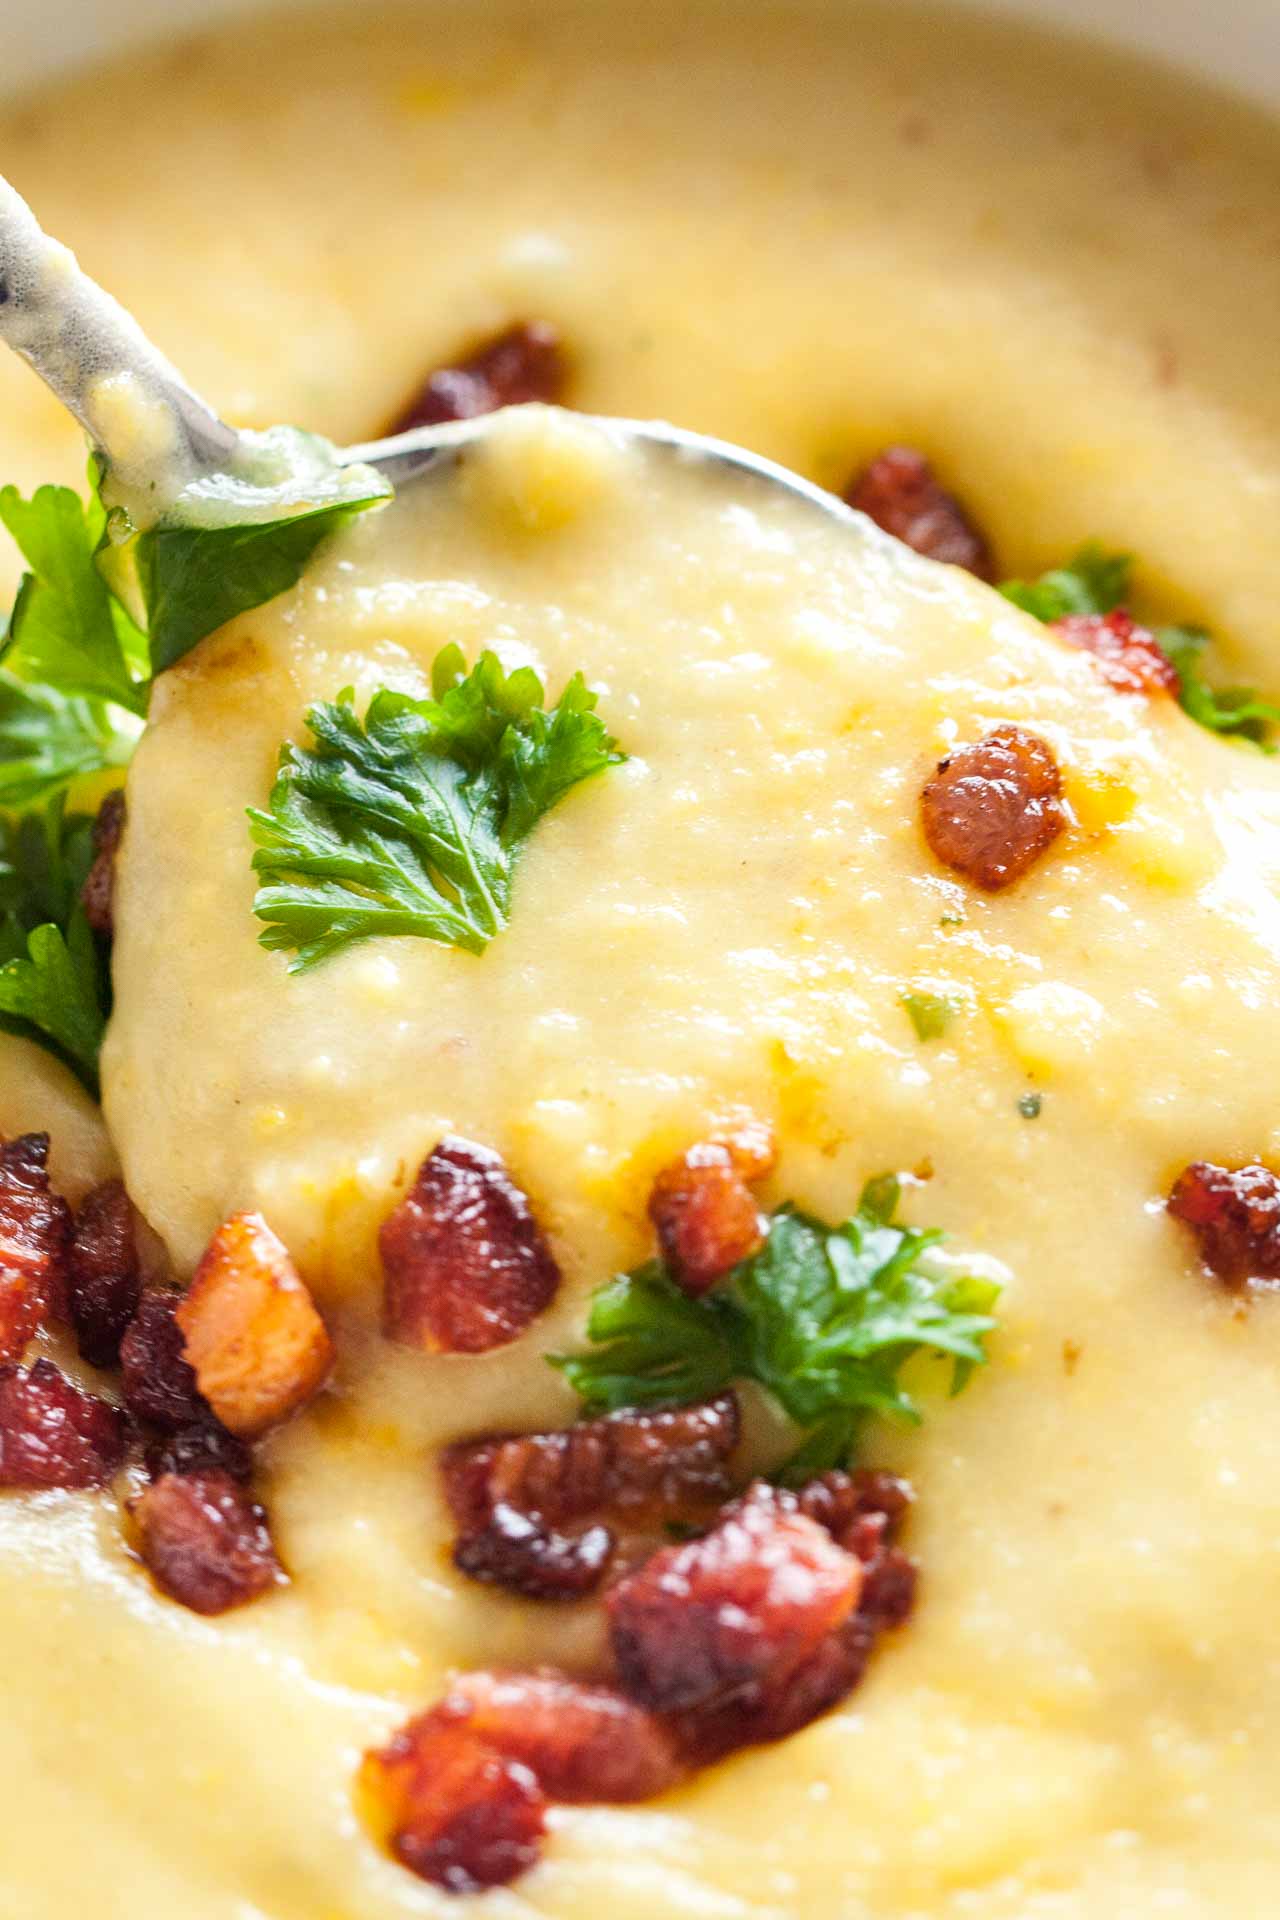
413,820
1095,581
53,983
1030,1104
825,1318
930,1013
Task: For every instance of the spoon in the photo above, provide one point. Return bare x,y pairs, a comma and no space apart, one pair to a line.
145,420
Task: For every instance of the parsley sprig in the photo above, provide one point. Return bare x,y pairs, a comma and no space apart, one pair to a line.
101,609
826,1318
1096,581
53,983
413,820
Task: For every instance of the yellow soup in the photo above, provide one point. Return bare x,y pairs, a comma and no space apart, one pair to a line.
811,231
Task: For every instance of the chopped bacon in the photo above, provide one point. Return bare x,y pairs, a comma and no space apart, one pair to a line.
736,1611
703,1210
901,493
453,1810
581,1742
466,1266
666,1463
34,1228
157,1381
864,1513
1234,1214
52,1434
1128,657
992,809
520,1552
104,1277
526,362
250,1329
205,1542
96,895
194,1449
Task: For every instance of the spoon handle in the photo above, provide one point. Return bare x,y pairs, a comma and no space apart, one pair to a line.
157,435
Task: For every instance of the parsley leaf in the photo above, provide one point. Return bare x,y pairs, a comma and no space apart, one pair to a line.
824,1318
52,981
48,739
1235,711
412,821
100,611
65,629
930,1013
234,541
1096,581
1093,581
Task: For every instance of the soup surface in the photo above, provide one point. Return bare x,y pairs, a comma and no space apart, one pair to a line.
837,229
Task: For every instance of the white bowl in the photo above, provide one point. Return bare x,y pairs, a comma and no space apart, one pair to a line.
1236,41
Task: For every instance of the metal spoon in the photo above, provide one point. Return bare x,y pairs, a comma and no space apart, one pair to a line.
87,349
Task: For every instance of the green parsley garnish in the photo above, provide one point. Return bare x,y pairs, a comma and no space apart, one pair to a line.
53,984
101,609
1029,1105
413,821
1096,582
930,1013
825,1318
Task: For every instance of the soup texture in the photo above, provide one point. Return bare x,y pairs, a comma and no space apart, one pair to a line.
814,231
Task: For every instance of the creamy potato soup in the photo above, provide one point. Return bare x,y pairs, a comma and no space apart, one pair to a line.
855,867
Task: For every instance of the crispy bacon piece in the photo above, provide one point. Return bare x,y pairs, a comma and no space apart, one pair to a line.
667,1463
522,1553
703,1209
52,1434
737,1611
453,1810
864,1513
1234,1214
34,1228
206,1543
104,1276
581,1742
96,895
1128,657
526,362
900,492
992,809
157,1381
194,1449
250,1329
466,1266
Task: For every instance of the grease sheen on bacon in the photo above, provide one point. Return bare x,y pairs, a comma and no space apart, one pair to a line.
35,1226
466,1266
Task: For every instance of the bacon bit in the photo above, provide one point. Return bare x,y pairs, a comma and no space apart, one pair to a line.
205,1542
157,1382
526,362
250,1329
195,1449
466,1266
96,895
52,1434
520,1552
735,1613
1128,657
104,1277
1234,1214
864,1512
34,1227
453,1810
665,1464
703,1210
992,809
900,492
581,1742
